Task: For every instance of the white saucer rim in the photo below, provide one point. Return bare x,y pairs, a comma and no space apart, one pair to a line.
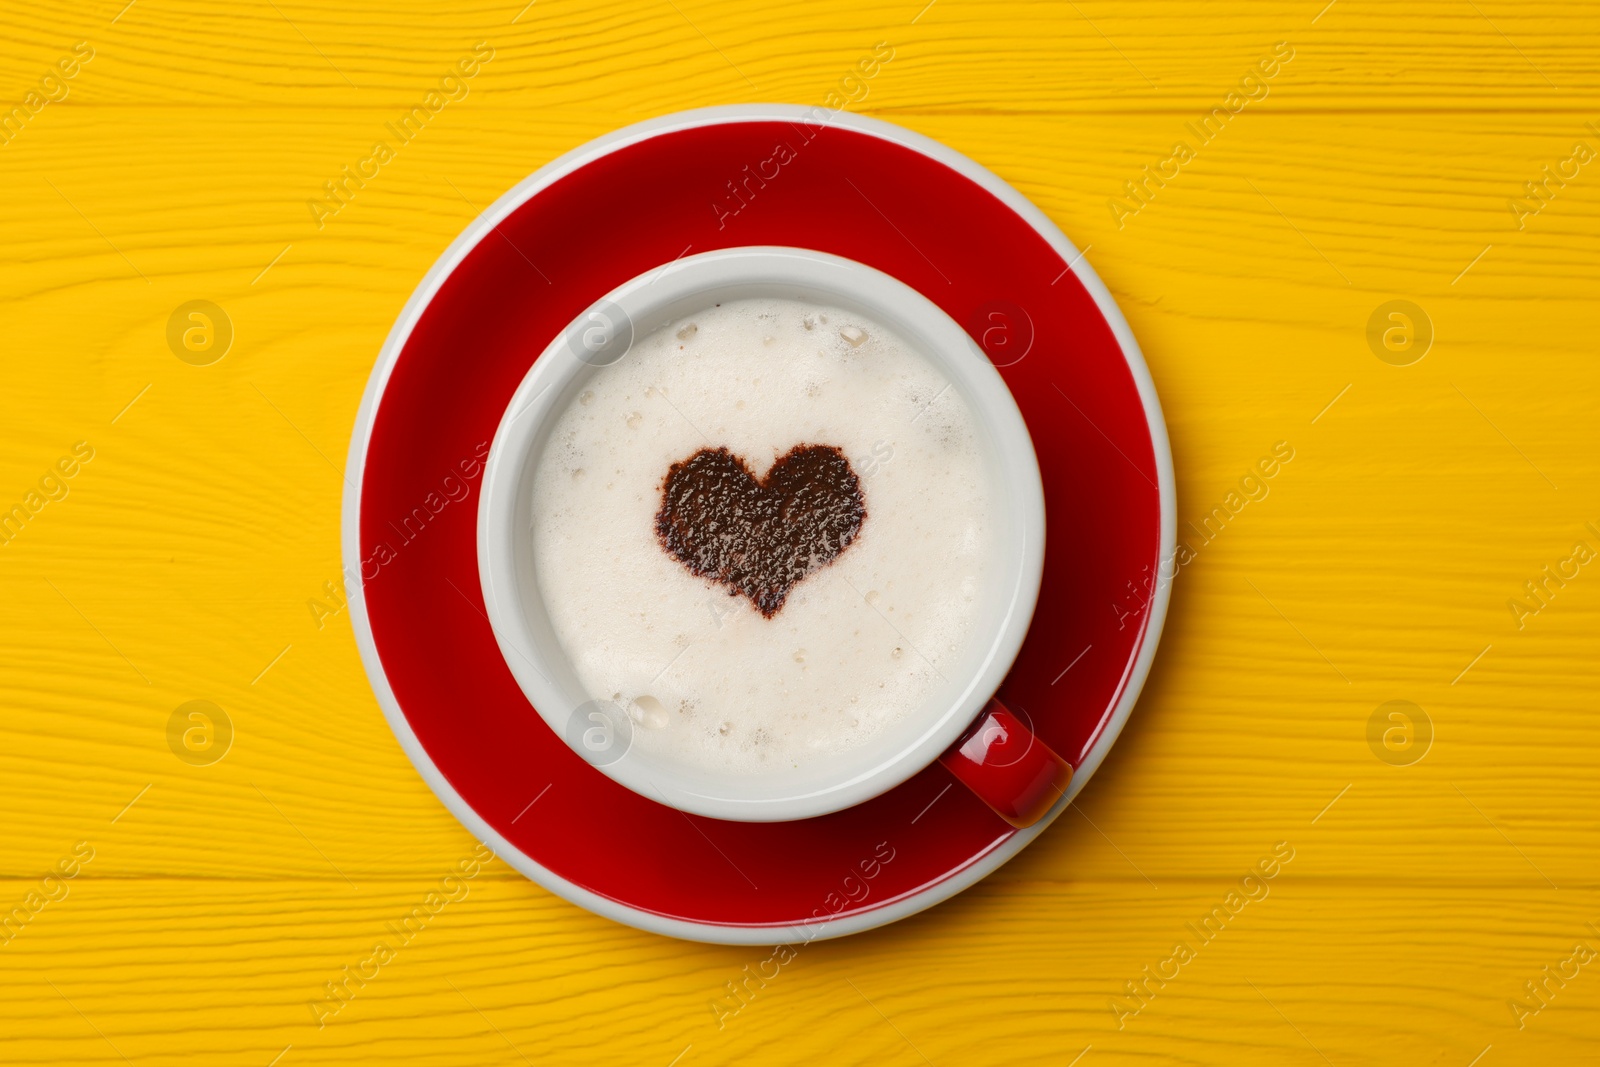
856,922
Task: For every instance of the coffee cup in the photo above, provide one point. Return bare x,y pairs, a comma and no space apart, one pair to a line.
546,614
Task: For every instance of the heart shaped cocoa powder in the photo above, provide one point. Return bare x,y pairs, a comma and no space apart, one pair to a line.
760,538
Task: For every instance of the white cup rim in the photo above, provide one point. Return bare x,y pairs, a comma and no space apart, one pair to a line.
651,299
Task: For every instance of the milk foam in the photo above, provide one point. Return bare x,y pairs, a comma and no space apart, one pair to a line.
859,644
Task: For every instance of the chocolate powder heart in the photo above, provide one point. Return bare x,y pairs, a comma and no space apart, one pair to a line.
760,538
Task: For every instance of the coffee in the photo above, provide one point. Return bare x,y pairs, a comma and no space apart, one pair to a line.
763,532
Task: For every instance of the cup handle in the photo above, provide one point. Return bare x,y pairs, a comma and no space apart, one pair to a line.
1010,769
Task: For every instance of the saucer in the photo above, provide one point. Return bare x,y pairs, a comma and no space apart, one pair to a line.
643,197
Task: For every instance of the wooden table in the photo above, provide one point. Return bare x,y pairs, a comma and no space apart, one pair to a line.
1382,160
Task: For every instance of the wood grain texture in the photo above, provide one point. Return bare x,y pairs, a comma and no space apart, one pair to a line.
1379,566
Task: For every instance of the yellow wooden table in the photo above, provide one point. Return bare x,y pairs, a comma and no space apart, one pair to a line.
1294,169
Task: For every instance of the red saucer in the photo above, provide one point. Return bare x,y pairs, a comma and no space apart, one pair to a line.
643,197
